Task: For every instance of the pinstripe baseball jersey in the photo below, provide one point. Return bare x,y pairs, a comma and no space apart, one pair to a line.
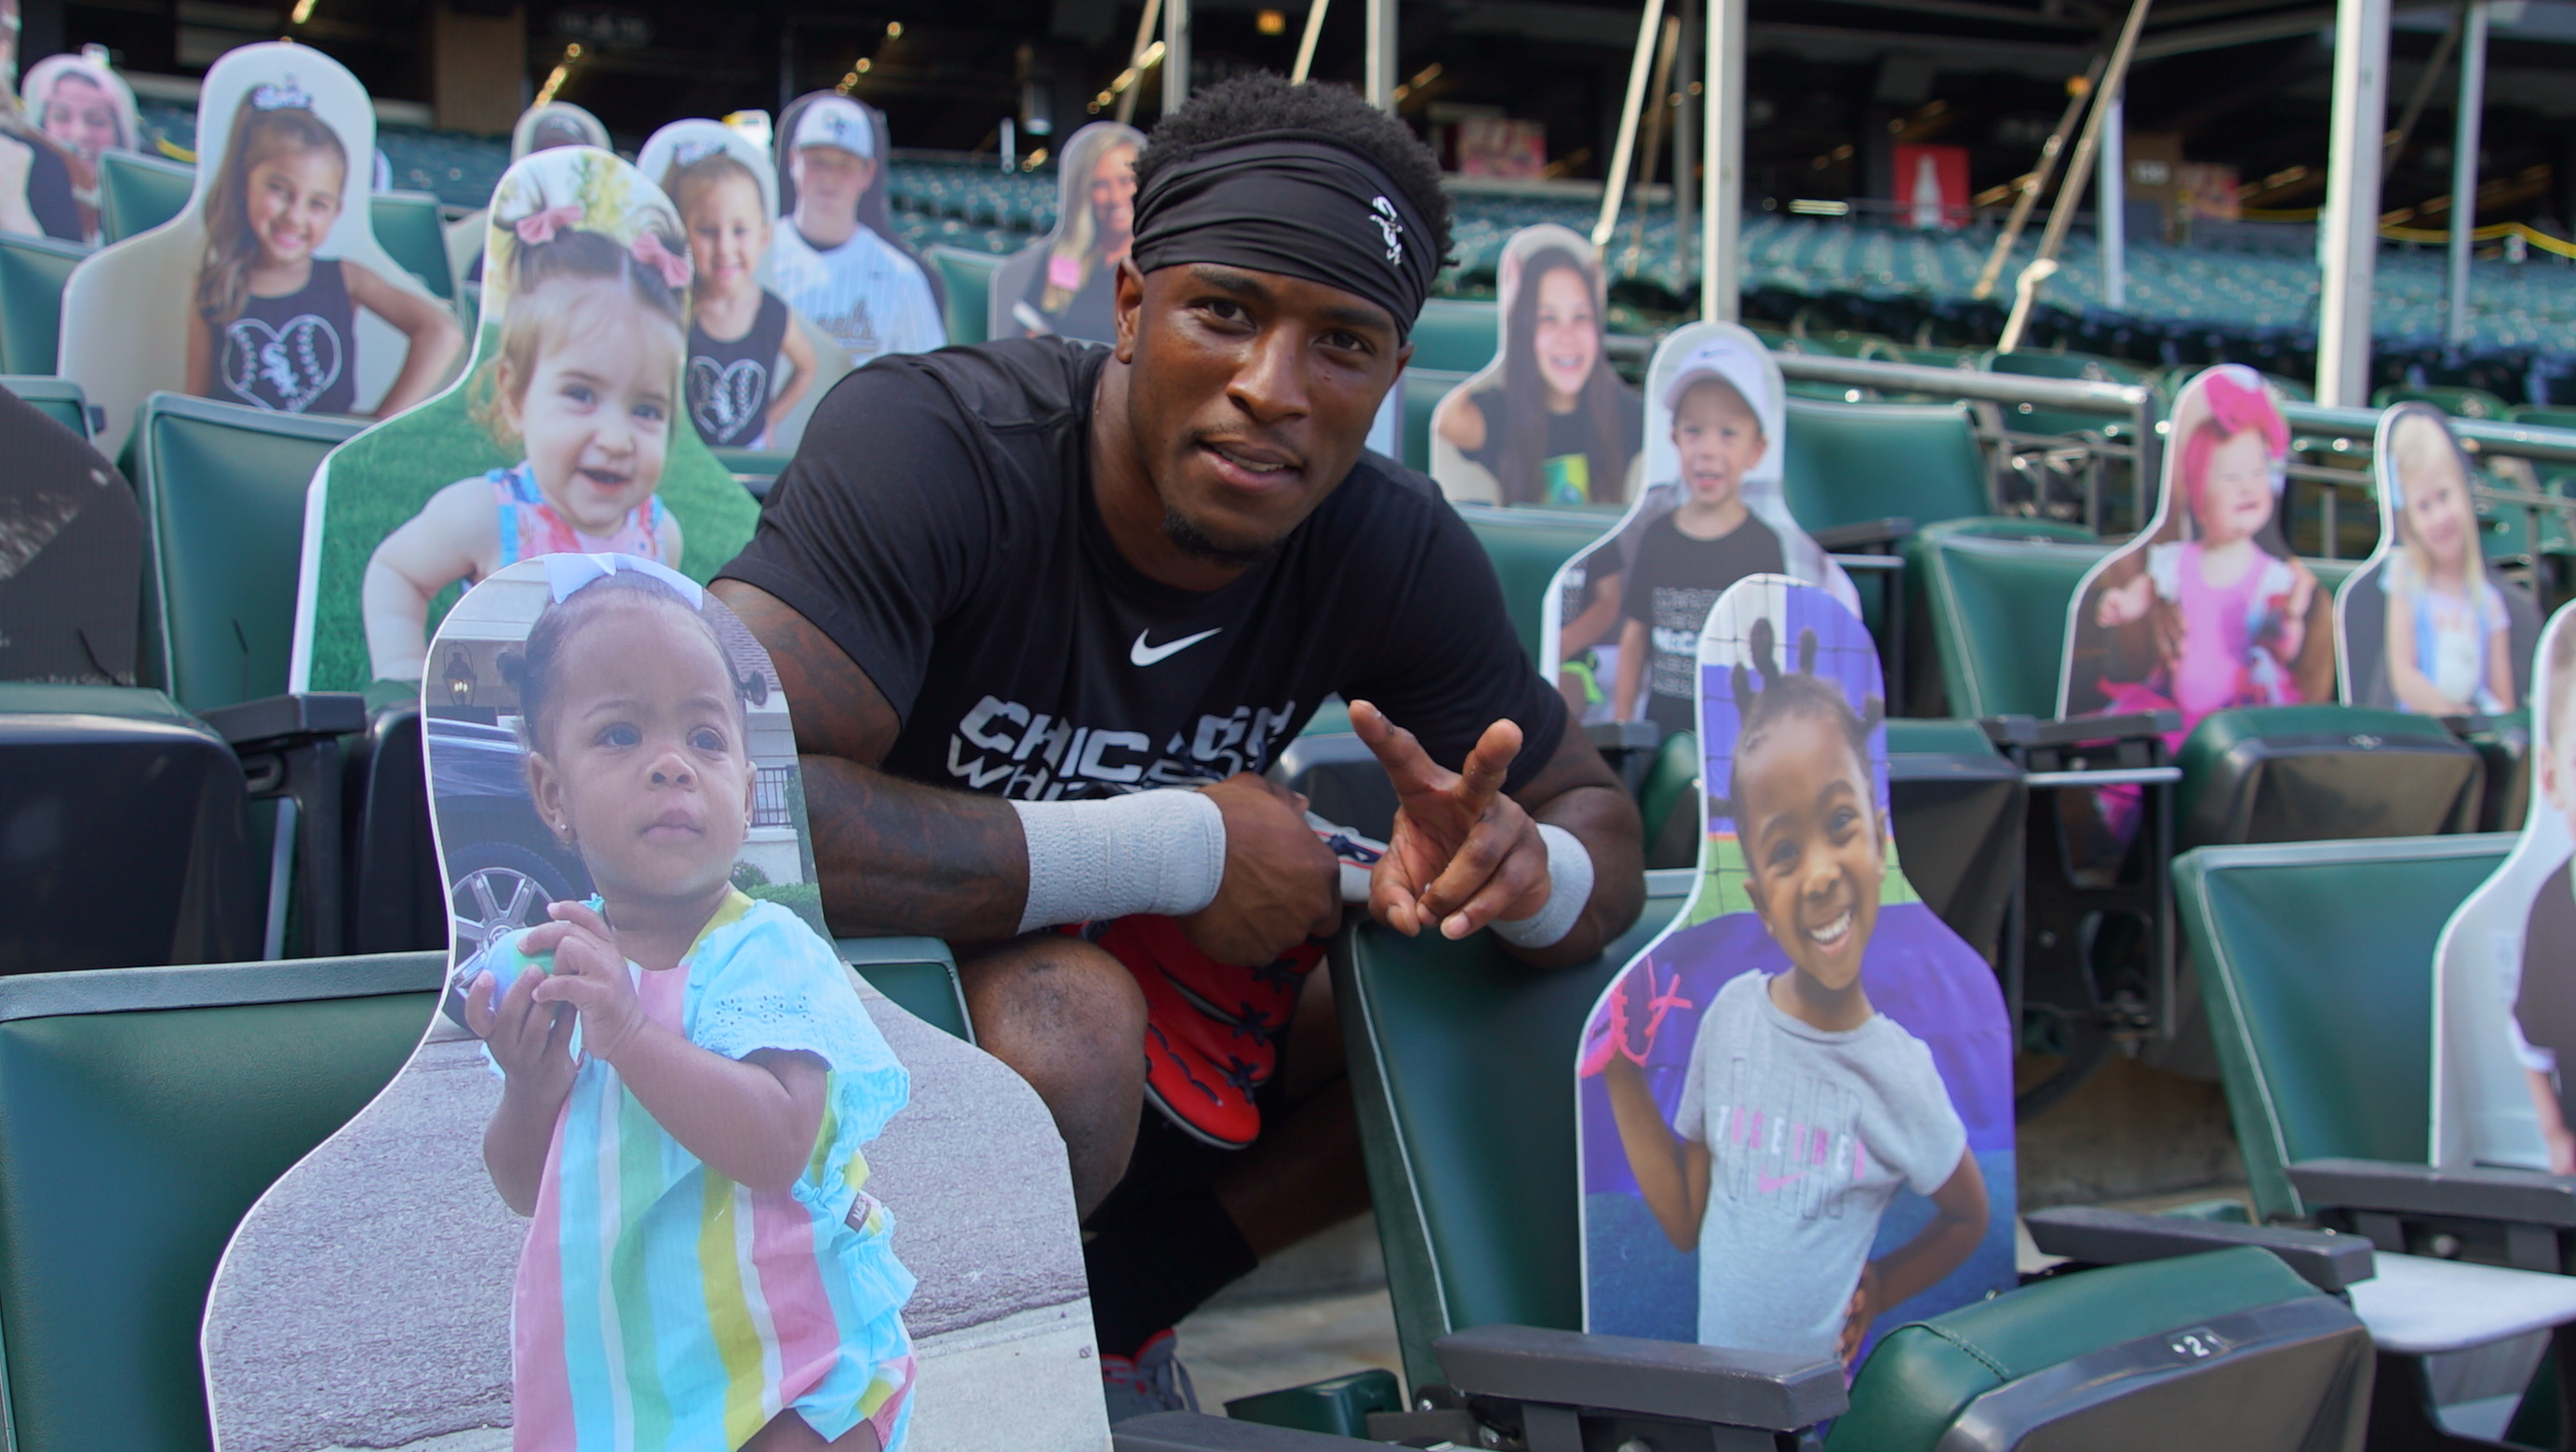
865,294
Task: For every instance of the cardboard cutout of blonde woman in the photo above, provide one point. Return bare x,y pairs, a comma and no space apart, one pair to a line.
564,436
86,108
1065,284
268,290
2504,1009
837,260
1548,422
2206,608
539,128
1621,622
1795,1105
663,1173
46,189
755,368
2423,625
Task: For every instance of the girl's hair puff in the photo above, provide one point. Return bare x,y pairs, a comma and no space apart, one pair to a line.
232,249
532,668
537,314
2233,408
1800,696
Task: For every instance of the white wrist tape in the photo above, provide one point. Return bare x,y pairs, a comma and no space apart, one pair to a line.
1146,852
1569,874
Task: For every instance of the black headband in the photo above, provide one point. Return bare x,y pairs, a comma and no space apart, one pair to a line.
1298,203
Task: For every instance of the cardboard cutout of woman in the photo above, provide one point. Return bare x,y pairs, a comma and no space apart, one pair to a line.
838,261
269,289
563,436
2424,625
1548,422
1795,1105
86,108
2206,608
1621,622
46,189
663,1173
539,128
753,365
2504,1010
1066,283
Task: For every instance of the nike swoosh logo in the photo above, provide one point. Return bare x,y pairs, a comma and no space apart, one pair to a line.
1769,1184
1144,655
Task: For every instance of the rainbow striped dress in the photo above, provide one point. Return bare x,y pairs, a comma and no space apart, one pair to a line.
661,1307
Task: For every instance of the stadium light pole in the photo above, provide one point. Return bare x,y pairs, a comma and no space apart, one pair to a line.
2351,219
2026,289
2464,164
1379,80
1722,168
1176,55
1615,183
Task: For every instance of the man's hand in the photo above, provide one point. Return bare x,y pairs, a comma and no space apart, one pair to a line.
1282,885
1462,854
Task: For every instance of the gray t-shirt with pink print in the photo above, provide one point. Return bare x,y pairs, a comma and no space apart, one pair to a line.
1810,1135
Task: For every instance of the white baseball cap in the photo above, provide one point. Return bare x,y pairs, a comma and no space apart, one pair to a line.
837,121
1728,360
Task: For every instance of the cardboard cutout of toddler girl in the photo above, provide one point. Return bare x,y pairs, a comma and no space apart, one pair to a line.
1619,632
1795,1105
268,289
2424,625
2504,1011
566,434
663,1174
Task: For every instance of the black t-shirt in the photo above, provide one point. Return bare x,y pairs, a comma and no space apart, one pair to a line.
1670,586
938,524
2544,1005
1565,469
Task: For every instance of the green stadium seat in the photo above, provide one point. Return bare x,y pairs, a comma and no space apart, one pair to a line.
33,271
1455,335
2474,403
967,279
2292,774
2543,416
142,1112
1423,390
137,193
58,399
1853,463
1995,593
409,228
2030,418
756,468
1527,547
919,974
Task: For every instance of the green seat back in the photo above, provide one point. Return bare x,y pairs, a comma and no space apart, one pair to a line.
2457,402
2309,773
919,974
412,233
2038,419
142,1111
2316,966
137,193
1473,1170
967,278
1527,547
2542,416
1996,592
58,399
1921,1377
1455,335
33,271
1849,462
223,492
1423,390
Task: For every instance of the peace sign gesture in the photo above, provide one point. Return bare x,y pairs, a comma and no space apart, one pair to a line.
1462,854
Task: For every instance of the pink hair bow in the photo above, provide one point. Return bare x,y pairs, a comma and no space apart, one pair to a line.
539,227
674,266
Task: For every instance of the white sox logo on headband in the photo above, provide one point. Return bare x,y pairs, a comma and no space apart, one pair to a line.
1390,227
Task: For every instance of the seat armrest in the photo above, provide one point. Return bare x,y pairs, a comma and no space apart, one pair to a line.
275,721
2096,1236
1862,534
2031,731
1609,736
1198,1432
2526,1197
1674,1380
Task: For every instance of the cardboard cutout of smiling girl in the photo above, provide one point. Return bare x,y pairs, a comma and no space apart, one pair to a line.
1065,284
564,436
1795,1105
663,1174
2423,625
87,109
1548,422
268,289
755,368
2504,1010
1620,626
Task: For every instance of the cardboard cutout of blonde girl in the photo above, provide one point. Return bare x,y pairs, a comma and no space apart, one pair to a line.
2423,625
563,437
268,290
1548,422
1065,284
2206,608
837,259
1621,623
750,362
1795,1106
2504,1011
671,1179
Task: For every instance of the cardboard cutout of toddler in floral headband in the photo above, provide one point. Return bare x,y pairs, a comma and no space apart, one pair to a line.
564,436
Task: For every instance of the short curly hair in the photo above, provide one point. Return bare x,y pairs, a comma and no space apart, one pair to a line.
1264,101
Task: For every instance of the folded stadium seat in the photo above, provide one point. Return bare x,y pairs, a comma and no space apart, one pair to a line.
2035,363
137,193
1455,335
33,271
2456,401
967,279
1423,390
410,230
58,399
2292,774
